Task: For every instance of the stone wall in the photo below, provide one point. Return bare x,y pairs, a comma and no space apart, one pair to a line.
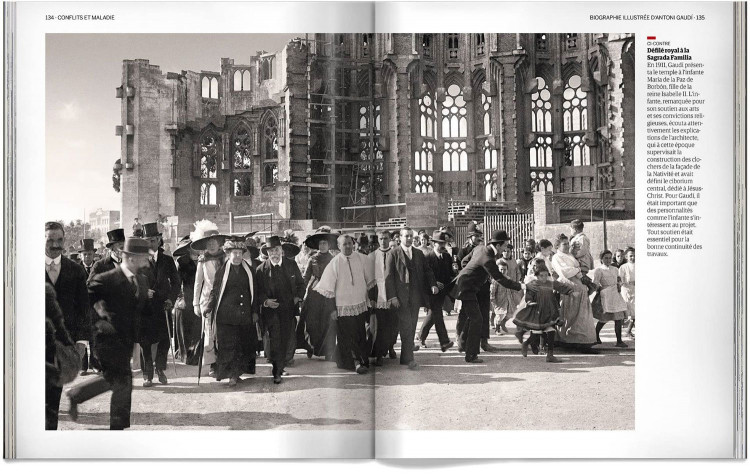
620,234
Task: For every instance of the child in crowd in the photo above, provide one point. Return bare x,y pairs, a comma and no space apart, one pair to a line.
546,250
525,261
542,311
619,258
613,307
627,279
503,300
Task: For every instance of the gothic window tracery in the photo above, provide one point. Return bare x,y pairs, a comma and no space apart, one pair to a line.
575,123
452,45
242,163
210,87
370,156
423,158
479,44
270,155
540,154
208,167
454,130
487,156
541,42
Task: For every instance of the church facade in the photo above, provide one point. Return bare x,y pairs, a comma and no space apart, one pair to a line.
354,129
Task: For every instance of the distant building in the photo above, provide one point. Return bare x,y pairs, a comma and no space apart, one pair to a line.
102,221
335,121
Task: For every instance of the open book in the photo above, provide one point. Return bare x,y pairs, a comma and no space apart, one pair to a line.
323,244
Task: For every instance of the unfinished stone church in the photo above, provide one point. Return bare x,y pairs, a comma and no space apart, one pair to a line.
357,130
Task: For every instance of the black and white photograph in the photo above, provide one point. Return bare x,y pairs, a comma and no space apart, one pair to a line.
356,231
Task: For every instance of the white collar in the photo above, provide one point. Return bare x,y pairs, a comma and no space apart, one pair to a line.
126,271
50,261
155,255
407,250
276,264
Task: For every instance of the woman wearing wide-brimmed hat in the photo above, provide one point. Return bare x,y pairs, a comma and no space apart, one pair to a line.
187,323
206,238
321,335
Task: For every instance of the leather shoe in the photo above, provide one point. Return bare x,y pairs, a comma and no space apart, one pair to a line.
525,349
379,362
73,410
309,354
277,379
475,360
392,353
445,347
416,347
487,347
162,376
147,383
423,343
361,369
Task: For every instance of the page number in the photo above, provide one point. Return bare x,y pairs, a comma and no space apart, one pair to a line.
49,17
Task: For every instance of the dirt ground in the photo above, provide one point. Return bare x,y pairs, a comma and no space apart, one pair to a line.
506,392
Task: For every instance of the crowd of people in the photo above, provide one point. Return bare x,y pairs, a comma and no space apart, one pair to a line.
221,301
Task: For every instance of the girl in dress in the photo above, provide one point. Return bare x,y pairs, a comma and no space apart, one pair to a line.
525,261
612,305
627,278
542,313
579,329
505,301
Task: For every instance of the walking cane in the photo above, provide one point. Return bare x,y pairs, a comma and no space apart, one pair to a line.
202,349
171,348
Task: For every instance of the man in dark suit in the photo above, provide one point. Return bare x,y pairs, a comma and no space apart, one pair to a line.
280,290
119,295
474,239
69,281
116,239
479,267
408,279
164,284
86,252
441,264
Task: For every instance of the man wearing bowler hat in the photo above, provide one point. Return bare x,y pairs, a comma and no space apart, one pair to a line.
478,267
119,295
164,284
441,263
280,290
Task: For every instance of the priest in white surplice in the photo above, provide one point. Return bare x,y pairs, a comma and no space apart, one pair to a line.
345,283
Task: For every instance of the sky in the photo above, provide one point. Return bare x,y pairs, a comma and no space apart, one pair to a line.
82,73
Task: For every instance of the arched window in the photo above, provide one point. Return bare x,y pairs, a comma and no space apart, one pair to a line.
479,44
541,42
575,123
487,156
241,80
540,155
210,87
270,152
423,158
208,167
242,163
452,43
427,45
454,130
370,156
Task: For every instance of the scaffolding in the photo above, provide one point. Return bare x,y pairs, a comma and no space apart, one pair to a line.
341,152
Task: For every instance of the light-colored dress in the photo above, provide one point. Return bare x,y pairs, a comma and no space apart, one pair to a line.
613,306
204,283
505,301
627,277
579,326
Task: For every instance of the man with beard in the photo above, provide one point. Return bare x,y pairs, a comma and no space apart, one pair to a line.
116,240
69,281
441,264
119,295
344,284
280,290
233,310
383,333
408,279
155,326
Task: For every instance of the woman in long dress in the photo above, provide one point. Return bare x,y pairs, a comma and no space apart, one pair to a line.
578,330
627,277
613,307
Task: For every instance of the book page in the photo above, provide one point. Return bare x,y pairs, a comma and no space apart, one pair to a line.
629,131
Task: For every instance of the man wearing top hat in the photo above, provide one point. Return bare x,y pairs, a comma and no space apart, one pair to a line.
164,284
69,281
119,296
87,262
280,290
408,281
116,239
441,264
478,267
233,311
